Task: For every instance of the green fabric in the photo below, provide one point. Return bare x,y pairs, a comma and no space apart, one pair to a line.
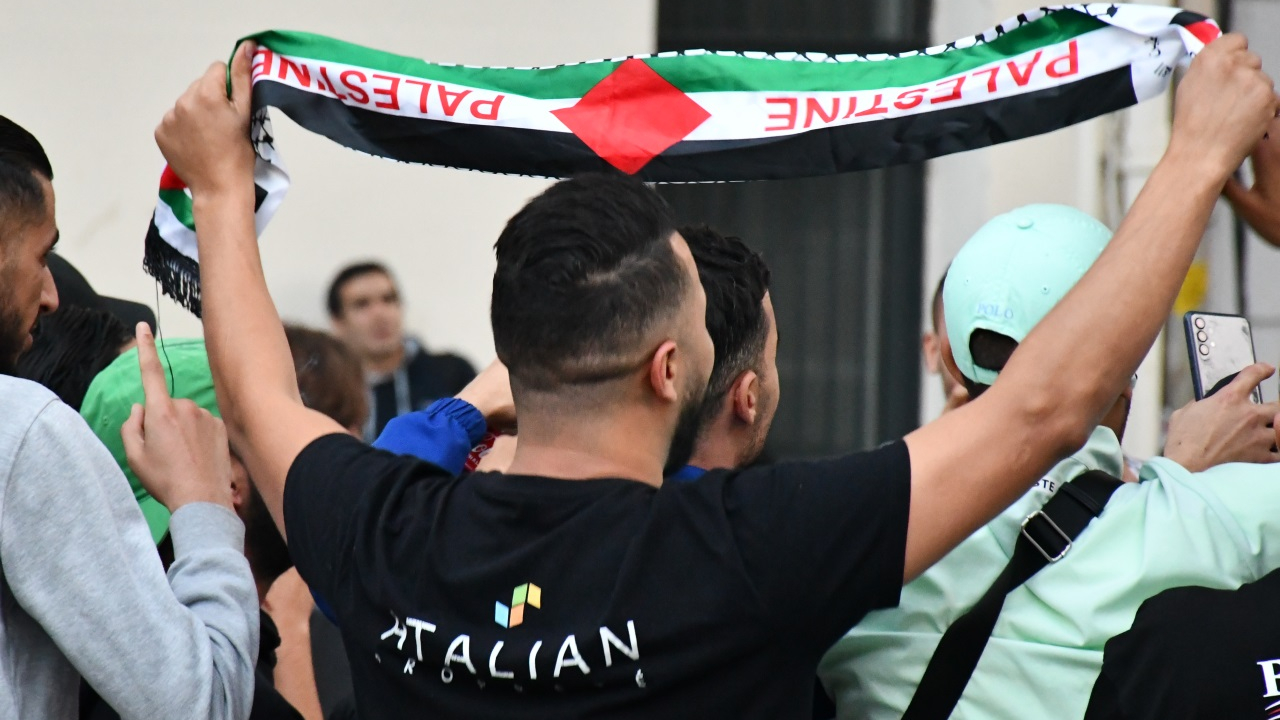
115,390
1214,529
180,202
710,72
1012,272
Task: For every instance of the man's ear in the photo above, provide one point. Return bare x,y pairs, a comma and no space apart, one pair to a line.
932,353
746,396
239,483
663,369
949,361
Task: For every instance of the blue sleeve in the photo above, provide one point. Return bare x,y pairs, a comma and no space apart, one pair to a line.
442,434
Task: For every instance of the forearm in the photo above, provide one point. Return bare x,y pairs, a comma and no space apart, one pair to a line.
1094,340
294,675
248,351
194,640
208,577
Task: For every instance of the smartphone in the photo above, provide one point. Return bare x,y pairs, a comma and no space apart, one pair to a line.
1220,346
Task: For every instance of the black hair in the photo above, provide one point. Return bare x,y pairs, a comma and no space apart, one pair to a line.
585,270
346,275
72,345
735,279
935,310
990,350
21,160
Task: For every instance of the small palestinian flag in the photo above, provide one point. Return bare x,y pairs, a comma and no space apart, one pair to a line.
697,116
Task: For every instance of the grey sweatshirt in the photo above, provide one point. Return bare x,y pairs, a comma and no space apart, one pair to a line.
82,590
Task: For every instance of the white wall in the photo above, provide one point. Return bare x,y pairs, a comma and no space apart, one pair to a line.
91,80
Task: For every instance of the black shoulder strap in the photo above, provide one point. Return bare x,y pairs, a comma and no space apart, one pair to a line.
1046,538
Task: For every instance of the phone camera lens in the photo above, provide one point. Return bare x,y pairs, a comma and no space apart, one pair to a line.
1202,336
1200,323
1204,349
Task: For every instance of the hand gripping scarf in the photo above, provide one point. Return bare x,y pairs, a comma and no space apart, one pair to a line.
695,116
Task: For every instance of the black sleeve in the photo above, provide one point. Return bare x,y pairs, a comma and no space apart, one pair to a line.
330,486
823,542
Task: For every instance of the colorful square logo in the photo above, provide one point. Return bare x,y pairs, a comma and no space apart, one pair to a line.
524,595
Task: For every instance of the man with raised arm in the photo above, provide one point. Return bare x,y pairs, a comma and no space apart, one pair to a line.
578,584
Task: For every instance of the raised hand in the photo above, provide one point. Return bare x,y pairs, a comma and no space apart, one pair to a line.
1260,205
1227,427
205,136
177,449
1223,106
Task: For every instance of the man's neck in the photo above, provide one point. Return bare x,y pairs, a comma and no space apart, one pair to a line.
585,448
384,365
720,444
709,454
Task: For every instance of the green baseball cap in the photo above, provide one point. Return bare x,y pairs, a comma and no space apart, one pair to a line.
115,390
1012,272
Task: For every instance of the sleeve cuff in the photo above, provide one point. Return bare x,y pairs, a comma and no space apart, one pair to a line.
197,526
463,413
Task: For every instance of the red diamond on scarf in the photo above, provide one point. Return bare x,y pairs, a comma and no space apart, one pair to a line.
632,116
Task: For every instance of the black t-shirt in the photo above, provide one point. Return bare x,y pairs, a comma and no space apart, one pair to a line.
499,596
1197,654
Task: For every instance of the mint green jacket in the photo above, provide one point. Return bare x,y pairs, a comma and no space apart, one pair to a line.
1217,529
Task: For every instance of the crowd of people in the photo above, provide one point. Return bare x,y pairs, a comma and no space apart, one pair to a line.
275,522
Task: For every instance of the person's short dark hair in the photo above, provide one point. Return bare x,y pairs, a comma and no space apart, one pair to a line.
585,271
735,278
21,159
935,310
990,350
346,275
329,376
72,345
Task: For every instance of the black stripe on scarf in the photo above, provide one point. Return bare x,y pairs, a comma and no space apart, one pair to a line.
825,151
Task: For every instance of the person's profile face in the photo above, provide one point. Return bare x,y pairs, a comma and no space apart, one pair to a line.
26,285
770,382
694,345
694,340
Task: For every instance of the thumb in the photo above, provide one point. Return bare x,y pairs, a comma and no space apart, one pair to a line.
1249,378
241,71
132,435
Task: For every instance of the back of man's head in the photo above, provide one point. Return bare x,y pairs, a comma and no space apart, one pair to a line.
586,273
329,376
1008,277
21,160
735,279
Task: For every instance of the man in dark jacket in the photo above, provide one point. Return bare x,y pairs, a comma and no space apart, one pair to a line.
364,305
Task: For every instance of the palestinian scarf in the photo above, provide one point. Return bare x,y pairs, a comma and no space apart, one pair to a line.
695,116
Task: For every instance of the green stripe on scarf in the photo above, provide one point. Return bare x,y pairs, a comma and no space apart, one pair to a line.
697,73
